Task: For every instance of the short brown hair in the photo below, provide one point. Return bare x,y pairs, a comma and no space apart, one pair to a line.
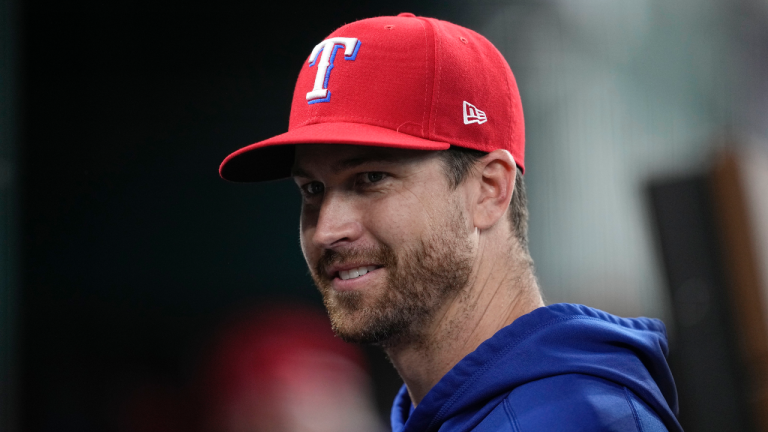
459,161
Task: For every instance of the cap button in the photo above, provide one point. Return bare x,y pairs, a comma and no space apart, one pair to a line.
407,15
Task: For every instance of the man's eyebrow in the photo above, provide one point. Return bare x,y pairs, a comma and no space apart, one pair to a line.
355,162
299,172
346,164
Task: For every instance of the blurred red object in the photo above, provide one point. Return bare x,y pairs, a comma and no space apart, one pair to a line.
281,369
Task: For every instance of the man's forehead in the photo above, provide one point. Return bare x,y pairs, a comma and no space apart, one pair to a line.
339,157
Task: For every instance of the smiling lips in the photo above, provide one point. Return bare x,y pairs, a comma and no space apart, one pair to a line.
355,273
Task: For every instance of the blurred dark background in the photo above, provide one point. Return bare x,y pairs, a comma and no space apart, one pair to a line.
122,252
132,249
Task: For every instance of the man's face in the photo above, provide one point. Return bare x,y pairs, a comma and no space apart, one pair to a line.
386,239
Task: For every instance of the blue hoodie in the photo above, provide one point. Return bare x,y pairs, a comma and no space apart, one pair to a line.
560,368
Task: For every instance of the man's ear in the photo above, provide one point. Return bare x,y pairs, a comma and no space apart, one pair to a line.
496,174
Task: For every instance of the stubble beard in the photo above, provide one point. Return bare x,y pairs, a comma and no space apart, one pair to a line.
421,279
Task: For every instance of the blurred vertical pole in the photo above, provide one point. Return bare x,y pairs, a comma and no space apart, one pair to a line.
8,230
740,225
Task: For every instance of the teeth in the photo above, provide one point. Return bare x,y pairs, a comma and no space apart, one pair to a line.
355,273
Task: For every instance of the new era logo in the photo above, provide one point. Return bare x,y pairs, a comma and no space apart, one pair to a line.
473,115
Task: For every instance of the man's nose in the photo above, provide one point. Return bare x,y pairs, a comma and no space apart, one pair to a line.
338,222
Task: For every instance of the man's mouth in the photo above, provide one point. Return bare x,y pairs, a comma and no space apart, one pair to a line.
355,272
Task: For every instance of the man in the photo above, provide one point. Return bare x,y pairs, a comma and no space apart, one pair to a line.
406,139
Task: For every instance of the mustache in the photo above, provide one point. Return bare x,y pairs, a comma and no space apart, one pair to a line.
381,255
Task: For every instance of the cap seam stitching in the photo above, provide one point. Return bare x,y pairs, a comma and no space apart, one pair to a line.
426,81
312,119
509,97
440,75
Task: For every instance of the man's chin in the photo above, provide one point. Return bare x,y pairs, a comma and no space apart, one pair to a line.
364,335
354,335
364,325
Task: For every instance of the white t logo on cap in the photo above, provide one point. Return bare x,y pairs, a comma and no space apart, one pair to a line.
328,48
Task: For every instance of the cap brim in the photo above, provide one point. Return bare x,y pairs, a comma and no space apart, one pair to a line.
272,159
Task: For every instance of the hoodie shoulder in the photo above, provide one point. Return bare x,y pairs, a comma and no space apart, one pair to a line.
562,367
571,403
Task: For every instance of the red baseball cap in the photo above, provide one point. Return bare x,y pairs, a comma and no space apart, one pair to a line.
404,82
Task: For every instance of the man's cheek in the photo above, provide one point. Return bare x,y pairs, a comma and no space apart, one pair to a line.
306,245
396,224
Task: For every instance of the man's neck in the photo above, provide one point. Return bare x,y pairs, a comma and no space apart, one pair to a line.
497,294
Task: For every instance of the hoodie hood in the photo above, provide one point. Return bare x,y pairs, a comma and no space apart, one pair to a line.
554,340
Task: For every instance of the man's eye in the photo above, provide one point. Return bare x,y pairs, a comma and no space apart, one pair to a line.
313,188
373,177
